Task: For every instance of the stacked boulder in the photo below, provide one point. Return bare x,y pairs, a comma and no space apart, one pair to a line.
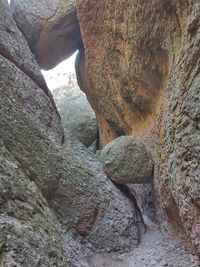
127,160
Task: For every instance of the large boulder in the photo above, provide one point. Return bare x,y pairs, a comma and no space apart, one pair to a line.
19,52
71,180
30,234
126,160
140,71
77,117
67,176
51,28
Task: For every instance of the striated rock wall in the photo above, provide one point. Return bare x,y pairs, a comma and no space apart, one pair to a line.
140,71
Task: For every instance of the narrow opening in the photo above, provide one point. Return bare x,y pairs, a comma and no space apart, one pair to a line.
61,74
77,116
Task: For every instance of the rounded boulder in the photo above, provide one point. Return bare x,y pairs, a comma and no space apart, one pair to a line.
127,160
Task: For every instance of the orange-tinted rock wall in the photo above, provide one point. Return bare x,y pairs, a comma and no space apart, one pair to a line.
140,71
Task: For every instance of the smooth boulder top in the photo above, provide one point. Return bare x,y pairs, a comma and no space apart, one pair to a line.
51,28
127,160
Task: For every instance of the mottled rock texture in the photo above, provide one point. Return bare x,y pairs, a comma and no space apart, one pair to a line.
145,195
30,234
69,178
77,117
51,28
14,48
66,177
126,160
140,71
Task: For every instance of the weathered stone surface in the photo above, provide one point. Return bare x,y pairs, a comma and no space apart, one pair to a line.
77,116
69,177
30,234
140,72
110,204
144,193
51,28
14,47
127,161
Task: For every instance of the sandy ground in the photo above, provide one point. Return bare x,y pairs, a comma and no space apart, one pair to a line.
155,250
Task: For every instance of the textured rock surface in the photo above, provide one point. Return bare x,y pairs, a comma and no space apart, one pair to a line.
30,234
67,177
77,116
140,71
51,28
72,181
14,48
127,161
144,193
155,250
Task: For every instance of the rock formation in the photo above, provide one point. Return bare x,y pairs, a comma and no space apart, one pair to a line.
138,64
140,71
127,161
51,28
66,181
30,234
77,117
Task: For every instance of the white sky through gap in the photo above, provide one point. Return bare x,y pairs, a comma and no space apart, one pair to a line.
60,73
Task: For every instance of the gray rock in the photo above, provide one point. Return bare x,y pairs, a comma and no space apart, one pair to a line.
127,161
77,116
30,234
14,47
93,147
51,28
72,181
144,193
67,175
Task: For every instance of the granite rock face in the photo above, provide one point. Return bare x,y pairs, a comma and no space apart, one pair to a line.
140,72
30,234
14,48
77,195
127,161
51,28
77,117
139,67
66,177
145,195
